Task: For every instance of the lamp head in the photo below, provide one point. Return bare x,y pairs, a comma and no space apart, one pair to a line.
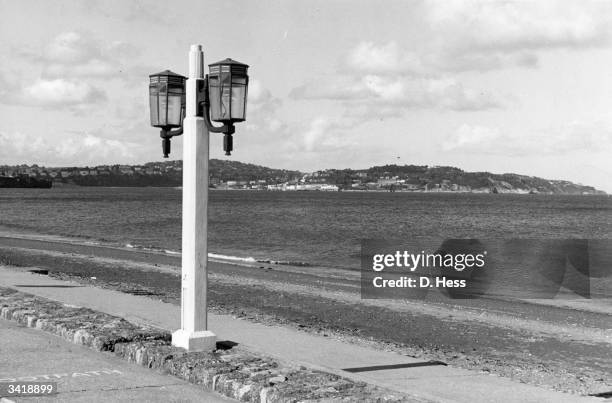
167,99
228,83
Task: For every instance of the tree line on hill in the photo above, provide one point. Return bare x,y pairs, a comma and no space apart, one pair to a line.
169,173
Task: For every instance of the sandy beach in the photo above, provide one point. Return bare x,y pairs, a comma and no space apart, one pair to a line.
564,345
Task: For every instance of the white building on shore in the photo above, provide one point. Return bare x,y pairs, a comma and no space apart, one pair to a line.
324,187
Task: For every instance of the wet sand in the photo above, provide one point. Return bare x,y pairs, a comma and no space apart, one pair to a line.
564,345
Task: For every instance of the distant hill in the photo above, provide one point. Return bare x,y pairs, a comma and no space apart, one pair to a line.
226,173
496,183
239,171
162,173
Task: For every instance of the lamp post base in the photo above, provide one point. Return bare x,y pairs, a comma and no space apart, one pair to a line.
194,341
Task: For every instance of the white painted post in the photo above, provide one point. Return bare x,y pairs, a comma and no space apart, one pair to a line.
193,334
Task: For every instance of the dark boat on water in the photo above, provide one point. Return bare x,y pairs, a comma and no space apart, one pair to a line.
24,181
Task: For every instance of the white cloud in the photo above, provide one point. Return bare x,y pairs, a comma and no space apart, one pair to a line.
382,83
74,67
120,49
319,135
60,92
313,137
400,92
450,94
6,85
326,134
329,141
512,25
487,35
257,93
389,90
381,59
452,61
473,138
65,149
262,110
71,47
388,79
80,54
90,68
335,88
133,110
484,35
591,137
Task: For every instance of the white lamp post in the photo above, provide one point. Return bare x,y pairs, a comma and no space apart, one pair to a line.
228,89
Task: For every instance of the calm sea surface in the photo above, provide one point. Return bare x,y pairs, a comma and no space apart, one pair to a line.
318,228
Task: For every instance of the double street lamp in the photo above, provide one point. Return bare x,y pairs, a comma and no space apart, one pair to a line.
221,97
188,106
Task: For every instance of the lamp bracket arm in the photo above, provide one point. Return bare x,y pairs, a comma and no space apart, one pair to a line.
166,133
204,110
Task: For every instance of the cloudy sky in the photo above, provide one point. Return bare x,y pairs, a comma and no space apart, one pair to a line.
500,86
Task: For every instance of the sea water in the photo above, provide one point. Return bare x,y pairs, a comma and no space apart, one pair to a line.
301,228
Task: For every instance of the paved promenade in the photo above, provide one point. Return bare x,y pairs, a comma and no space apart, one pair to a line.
430,381
84,375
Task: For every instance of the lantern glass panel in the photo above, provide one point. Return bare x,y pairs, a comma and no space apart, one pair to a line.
174,109
214,93
153,107
219,98
238,100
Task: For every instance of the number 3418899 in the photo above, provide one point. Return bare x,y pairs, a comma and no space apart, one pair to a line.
28,388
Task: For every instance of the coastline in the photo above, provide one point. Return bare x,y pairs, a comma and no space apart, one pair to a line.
540,344
171,260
